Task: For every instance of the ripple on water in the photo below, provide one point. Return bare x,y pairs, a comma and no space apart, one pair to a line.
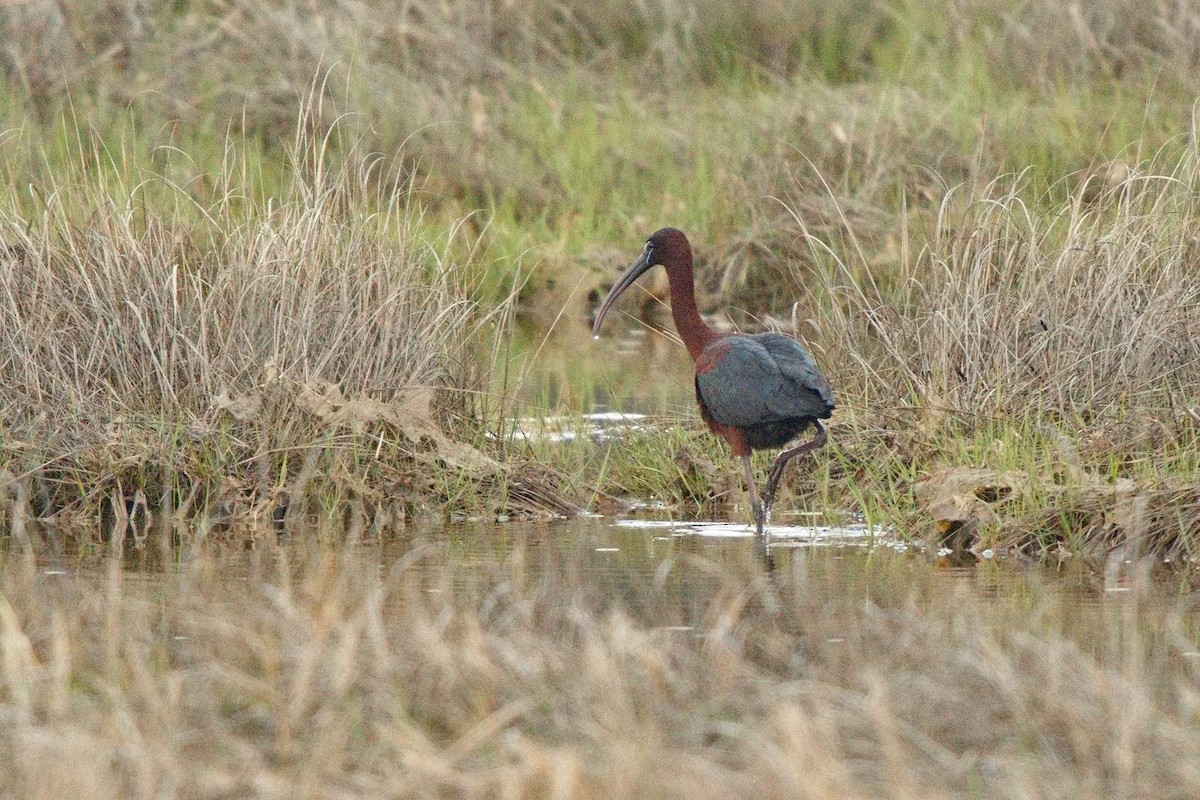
784,535
598,426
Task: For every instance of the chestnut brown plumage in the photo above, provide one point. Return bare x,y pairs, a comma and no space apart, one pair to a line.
755,392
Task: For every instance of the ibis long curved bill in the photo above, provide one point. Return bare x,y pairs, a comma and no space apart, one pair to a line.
635,271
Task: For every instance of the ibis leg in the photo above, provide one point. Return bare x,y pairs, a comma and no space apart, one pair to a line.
787,455
756,503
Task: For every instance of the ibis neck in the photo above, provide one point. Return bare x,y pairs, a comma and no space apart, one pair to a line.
692,329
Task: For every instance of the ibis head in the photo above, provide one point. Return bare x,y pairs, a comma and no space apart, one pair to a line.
667,247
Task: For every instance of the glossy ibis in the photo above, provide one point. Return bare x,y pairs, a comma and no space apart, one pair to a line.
755,392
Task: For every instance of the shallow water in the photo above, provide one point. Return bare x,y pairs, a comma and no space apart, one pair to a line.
665,574
632,369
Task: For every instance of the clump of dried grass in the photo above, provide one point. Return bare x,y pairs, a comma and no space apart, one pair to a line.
1059,344
1086,310
313,673
159,338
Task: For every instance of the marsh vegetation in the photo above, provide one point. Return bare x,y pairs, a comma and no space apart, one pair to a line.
246,246
291,293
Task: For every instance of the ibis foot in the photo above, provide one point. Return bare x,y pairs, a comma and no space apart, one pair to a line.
760,514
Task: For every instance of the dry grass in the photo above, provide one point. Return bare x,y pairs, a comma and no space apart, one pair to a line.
1030,42
1056,347
1089,309
226,352
526,675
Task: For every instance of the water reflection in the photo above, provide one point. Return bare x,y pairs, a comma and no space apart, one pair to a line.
634,369
665,575
780,535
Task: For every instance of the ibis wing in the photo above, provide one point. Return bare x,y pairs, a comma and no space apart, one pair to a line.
745,381
736,378
815,396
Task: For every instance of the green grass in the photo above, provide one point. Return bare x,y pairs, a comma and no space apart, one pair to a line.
887,104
